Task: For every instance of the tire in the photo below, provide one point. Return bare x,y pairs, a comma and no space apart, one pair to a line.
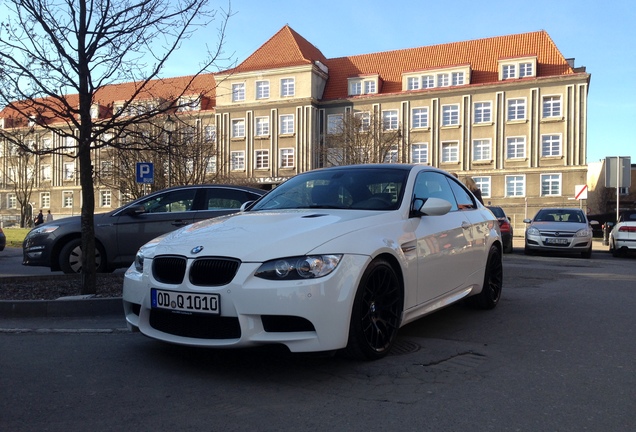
71,258
508,246
376,313
490,293
587,253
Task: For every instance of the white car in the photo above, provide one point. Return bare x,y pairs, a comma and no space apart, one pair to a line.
622,238
332,259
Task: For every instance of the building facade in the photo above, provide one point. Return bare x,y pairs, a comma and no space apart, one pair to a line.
509,111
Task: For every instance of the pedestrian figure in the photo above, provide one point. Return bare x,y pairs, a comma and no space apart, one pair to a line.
470,184
39,219
49,216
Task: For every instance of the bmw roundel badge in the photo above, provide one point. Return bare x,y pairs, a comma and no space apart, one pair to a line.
197,249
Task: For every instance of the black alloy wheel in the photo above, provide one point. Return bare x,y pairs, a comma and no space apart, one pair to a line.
493,281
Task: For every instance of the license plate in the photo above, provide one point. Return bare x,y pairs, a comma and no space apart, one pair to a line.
560,241
185,301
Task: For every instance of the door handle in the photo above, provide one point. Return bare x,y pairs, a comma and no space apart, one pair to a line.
179,223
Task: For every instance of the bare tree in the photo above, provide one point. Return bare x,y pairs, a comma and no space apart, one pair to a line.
21,176
57,56
361,137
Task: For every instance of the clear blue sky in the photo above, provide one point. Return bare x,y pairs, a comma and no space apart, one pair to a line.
600,35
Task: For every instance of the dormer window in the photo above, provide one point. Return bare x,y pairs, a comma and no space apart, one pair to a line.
517,68
94,111
363,85
192,103
445,77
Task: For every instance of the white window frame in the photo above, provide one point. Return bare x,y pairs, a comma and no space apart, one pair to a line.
516,147
45,199
237,160
355,88
457,78
551,184
67,199
370,87
262,89
238,92
238,128
428,81
526,69
482,112
419,153
12,201
287,87
419,117
335,124
482,150
364,120
105,198
551,145
287,126
287,157
443,79
450,115
508,71
551,107
484,184
516,109
209,133
390,119
413,83
450,152
261,159
46,172
261,126
69,171
515,186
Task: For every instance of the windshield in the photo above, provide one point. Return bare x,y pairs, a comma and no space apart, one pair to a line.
355,188
556,215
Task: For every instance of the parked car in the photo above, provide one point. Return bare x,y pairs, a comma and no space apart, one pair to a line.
336,258
565,230
504,226
120,233
622,238
3,240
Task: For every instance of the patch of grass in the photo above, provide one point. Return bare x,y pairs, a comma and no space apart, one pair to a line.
15,236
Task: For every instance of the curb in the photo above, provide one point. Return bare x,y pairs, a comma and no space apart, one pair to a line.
78,307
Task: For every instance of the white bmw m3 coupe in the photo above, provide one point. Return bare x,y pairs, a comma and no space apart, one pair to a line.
335,259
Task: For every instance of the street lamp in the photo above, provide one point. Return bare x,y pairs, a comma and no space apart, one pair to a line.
168,126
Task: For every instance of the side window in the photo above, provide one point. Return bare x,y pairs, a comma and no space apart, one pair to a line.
464,198
217,199
170,202
434,185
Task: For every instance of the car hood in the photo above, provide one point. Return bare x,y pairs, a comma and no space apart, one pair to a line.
259,236
559,226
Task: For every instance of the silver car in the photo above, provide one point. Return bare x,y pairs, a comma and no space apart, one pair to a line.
565,230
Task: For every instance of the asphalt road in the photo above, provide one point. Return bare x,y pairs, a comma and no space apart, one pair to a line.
556,354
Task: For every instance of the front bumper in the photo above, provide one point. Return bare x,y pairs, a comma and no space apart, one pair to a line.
305,315
565,245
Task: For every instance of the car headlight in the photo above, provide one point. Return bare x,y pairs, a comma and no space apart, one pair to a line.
585,232
300,267
533,231
139,261
42,230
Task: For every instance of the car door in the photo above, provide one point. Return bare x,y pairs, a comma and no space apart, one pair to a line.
164,212
442,246
219,201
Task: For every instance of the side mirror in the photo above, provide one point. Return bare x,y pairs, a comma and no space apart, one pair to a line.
245,205
429,207
135,210
527,220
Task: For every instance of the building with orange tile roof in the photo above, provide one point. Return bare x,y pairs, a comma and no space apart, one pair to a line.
509,111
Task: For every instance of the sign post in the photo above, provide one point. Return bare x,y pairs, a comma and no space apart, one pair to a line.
618,174
145,172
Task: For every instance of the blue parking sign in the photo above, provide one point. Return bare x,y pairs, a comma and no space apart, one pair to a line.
145,172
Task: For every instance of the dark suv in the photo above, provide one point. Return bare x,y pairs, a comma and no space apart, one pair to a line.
504,226
120,233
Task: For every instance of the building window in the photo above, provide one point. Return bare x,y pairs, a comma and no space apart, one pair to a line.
209,133
484,185
457,78
104,198
391,156
516,148
516,109
262,126
238,160
191,103
355,88
509,71
69,171
428,81
261,159
420,118
450,152
287,124
550,184
287,158
210,168
238,92
287,87
238,128
106,168
413,83
46,144
450,115
46,172
334,124
552,107
262,89
419,153
390,120
363,121
443,80
483,112
482,150
525,70
369,87
515,186
550,145
67,199
45,200
12,201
